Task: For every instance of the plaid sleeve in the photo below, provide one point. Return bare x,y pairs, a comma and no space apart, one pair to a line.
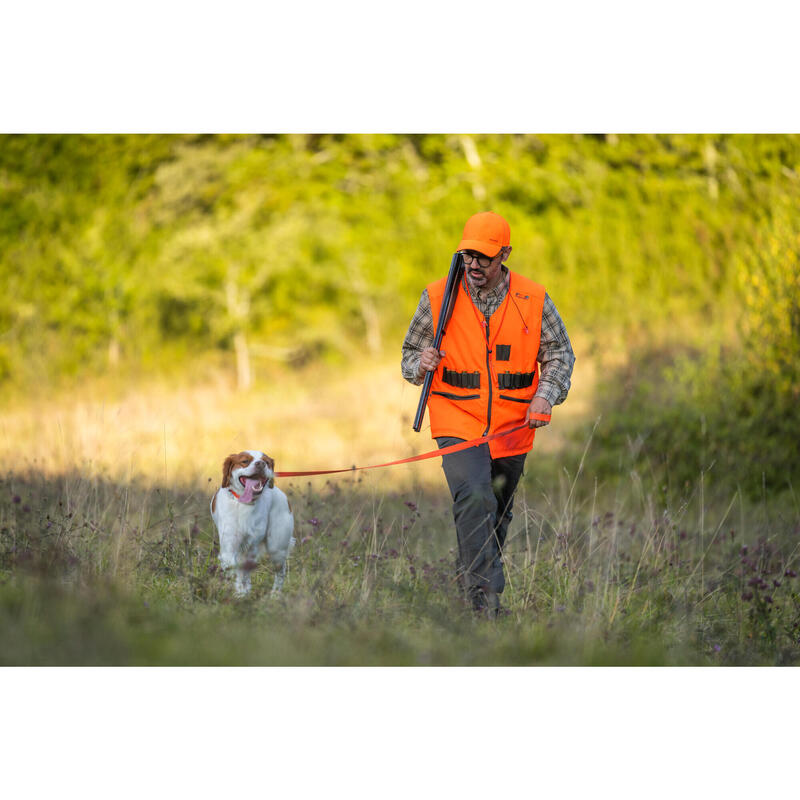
555,356
419,336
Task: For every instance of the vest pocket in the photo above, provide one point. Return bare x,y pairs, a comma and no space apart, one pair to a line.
451,396
502,352
516,399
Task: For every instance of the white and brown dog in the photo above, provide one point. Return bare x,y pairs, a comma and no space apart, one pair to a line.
252,517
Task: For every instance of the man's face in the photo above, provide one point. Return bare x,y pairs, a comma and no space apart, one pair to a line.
487,277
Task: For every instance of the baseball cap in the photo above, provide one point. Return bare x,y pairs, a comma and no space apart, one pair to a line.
486,233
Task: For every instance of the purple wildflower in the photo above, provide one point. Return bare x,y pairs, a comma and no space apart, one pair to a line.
790,573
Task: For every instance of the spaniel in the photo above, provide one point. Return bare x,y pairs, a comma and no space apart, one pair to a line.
253,517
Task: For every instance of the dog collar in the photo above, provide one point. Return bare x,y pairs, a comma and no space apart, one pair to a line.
238,497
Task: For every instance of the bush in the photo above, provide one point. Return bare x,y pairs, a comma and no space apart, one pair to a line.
733,408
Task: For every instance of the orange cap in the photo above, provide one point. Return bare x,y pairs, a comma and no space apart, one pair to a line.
486,233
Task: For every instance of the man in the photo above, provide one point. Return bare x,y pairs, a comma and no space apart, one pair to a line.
487,381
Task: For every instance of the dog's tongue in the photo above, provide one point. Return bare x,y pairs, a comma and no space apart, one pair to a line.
249,485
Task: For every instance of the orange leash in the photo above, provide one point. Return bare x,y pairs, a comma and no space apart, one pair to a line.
453,448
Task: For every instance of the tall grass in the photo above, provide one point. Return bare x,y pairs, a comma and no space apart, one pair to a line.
101,568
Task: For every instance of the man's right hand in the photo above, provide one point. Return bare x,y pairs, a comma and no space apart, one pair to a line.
429,360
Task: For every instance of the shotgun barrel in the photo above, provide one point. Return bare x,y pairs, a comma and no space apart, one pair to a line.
446,311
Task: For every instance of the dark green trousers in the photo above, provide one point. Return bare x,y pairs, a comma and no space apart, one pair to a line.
482,489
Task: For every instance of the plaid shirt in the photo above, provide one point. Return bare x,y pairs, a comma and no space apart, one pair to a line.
555,351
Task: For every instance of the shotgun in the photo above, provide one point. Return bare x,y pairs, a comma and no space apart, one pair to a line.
446,311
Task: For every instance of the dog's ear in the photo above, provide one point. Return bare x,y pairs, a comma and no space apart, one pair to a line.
227,468
271,465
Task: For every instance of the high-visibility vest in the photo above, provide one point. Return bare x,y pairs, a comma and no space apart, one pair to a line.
488,377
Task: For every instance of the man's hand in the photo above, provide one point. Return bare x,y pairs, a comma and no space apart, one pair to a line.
538,406
429,360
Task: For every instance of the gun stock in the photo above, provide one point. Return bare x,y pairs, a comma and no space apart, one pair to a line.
446,311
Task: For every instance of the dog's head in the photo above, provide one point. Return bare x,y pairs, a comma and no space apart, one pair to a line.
248,472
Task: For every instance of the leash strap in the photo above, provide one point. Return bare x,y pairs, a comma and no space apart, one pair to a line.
453,448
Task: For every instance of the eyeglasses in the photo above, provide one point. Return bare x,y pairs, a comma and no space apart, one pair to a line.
484,261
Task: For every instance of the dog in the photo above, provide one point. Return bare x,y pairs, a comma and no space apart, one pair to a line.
252,517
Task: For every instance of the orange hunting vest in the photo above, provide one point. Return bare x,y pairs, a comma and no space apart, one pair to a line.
489,374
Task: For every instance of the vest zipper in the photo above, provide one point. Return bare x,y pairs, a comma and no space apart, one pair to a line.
489,378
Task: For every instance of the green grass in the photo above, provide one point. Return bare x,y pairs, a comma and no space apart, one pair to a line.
598,573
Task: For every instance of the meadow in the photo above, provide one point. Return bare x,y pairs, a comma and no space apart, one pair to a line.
108,552
168,300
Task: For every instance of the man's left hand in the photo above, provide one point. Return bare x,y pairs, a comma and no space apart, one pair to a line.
538,406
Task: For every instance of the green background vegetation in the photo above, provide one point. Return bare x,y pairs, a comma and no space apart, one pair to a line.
674,255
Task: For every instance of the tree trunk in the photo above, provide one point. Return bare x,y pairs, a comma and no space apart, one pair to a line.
238,310
244,378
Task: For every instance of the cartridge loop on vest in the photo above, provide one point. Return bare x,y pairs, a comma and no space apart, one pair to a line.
515,380
464,380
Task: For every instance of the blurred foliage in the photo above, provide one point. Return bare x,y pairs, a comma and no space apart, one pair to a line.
150,251
731,410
